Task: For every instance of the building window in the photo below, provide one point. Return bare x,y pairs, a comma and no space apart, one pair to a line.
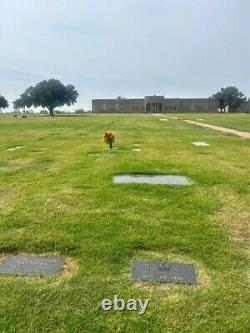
170,107
116,106
166,108
174,107
137,108
142,108
192,107
104,106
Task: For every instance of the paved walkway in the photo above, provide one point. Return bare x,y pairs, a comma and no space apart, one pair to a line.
242,134
219,128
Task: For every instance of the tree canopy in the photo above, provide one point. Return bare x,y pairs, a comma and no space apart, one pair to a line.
3,102
47,94
26,98
230,96
18,103
51,94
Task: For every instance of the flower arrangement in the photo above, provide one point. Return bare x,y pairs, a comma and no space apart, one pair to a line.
109,139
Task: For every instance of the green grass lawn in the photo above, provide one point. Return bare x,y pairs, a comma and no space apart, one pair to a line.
239,121
57,197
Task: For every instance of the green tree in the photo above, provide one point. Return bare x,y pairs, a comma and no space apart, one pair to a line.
26,98
3,103
18,103
52,93
79,111
230,96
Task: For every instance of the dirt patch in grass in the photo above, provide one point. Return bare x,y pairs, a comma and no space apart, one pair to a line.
17,164
7,199
56,205
234,214
70,267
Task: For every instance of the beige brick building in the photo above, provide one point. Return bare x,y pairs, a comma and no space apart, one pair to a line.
157,104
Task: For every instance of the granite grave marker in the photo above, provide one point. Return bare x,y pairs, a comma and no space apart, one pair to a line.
163,272
31,265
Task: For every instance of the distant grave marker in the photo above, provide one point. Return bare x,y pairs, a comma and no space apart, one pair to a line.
136,149
163,119
31,265
201,144
151,179
163,272
36,151
15,148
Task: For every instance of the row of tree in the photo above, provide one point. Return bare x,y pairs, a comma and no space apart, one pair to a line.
47,94
52,93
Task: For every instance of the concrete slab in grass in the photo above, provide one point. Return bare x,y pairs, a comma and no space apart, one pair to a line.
151,179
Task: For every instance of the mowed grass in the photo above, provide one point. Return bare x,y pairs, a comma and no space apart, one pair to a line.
236,121
57,197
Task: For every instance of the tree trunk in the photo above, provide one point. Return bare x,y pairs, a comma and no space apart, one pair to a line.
51,111
110,145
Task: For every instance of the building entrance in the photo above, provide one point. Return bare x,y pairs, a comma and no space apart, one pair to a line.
154,107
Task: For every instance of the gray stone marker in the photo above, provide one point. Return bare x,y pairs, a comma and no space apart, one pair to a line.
163,272
200,143
31,265
151,179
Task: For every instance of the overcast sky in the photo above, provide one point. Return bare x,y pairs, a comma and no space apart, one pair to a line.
132,48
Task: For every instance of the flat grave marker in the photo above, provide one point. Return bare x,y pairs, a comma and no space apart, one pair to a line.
136,149
14,148
31,265
151,179
163,272
200,144
100,154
